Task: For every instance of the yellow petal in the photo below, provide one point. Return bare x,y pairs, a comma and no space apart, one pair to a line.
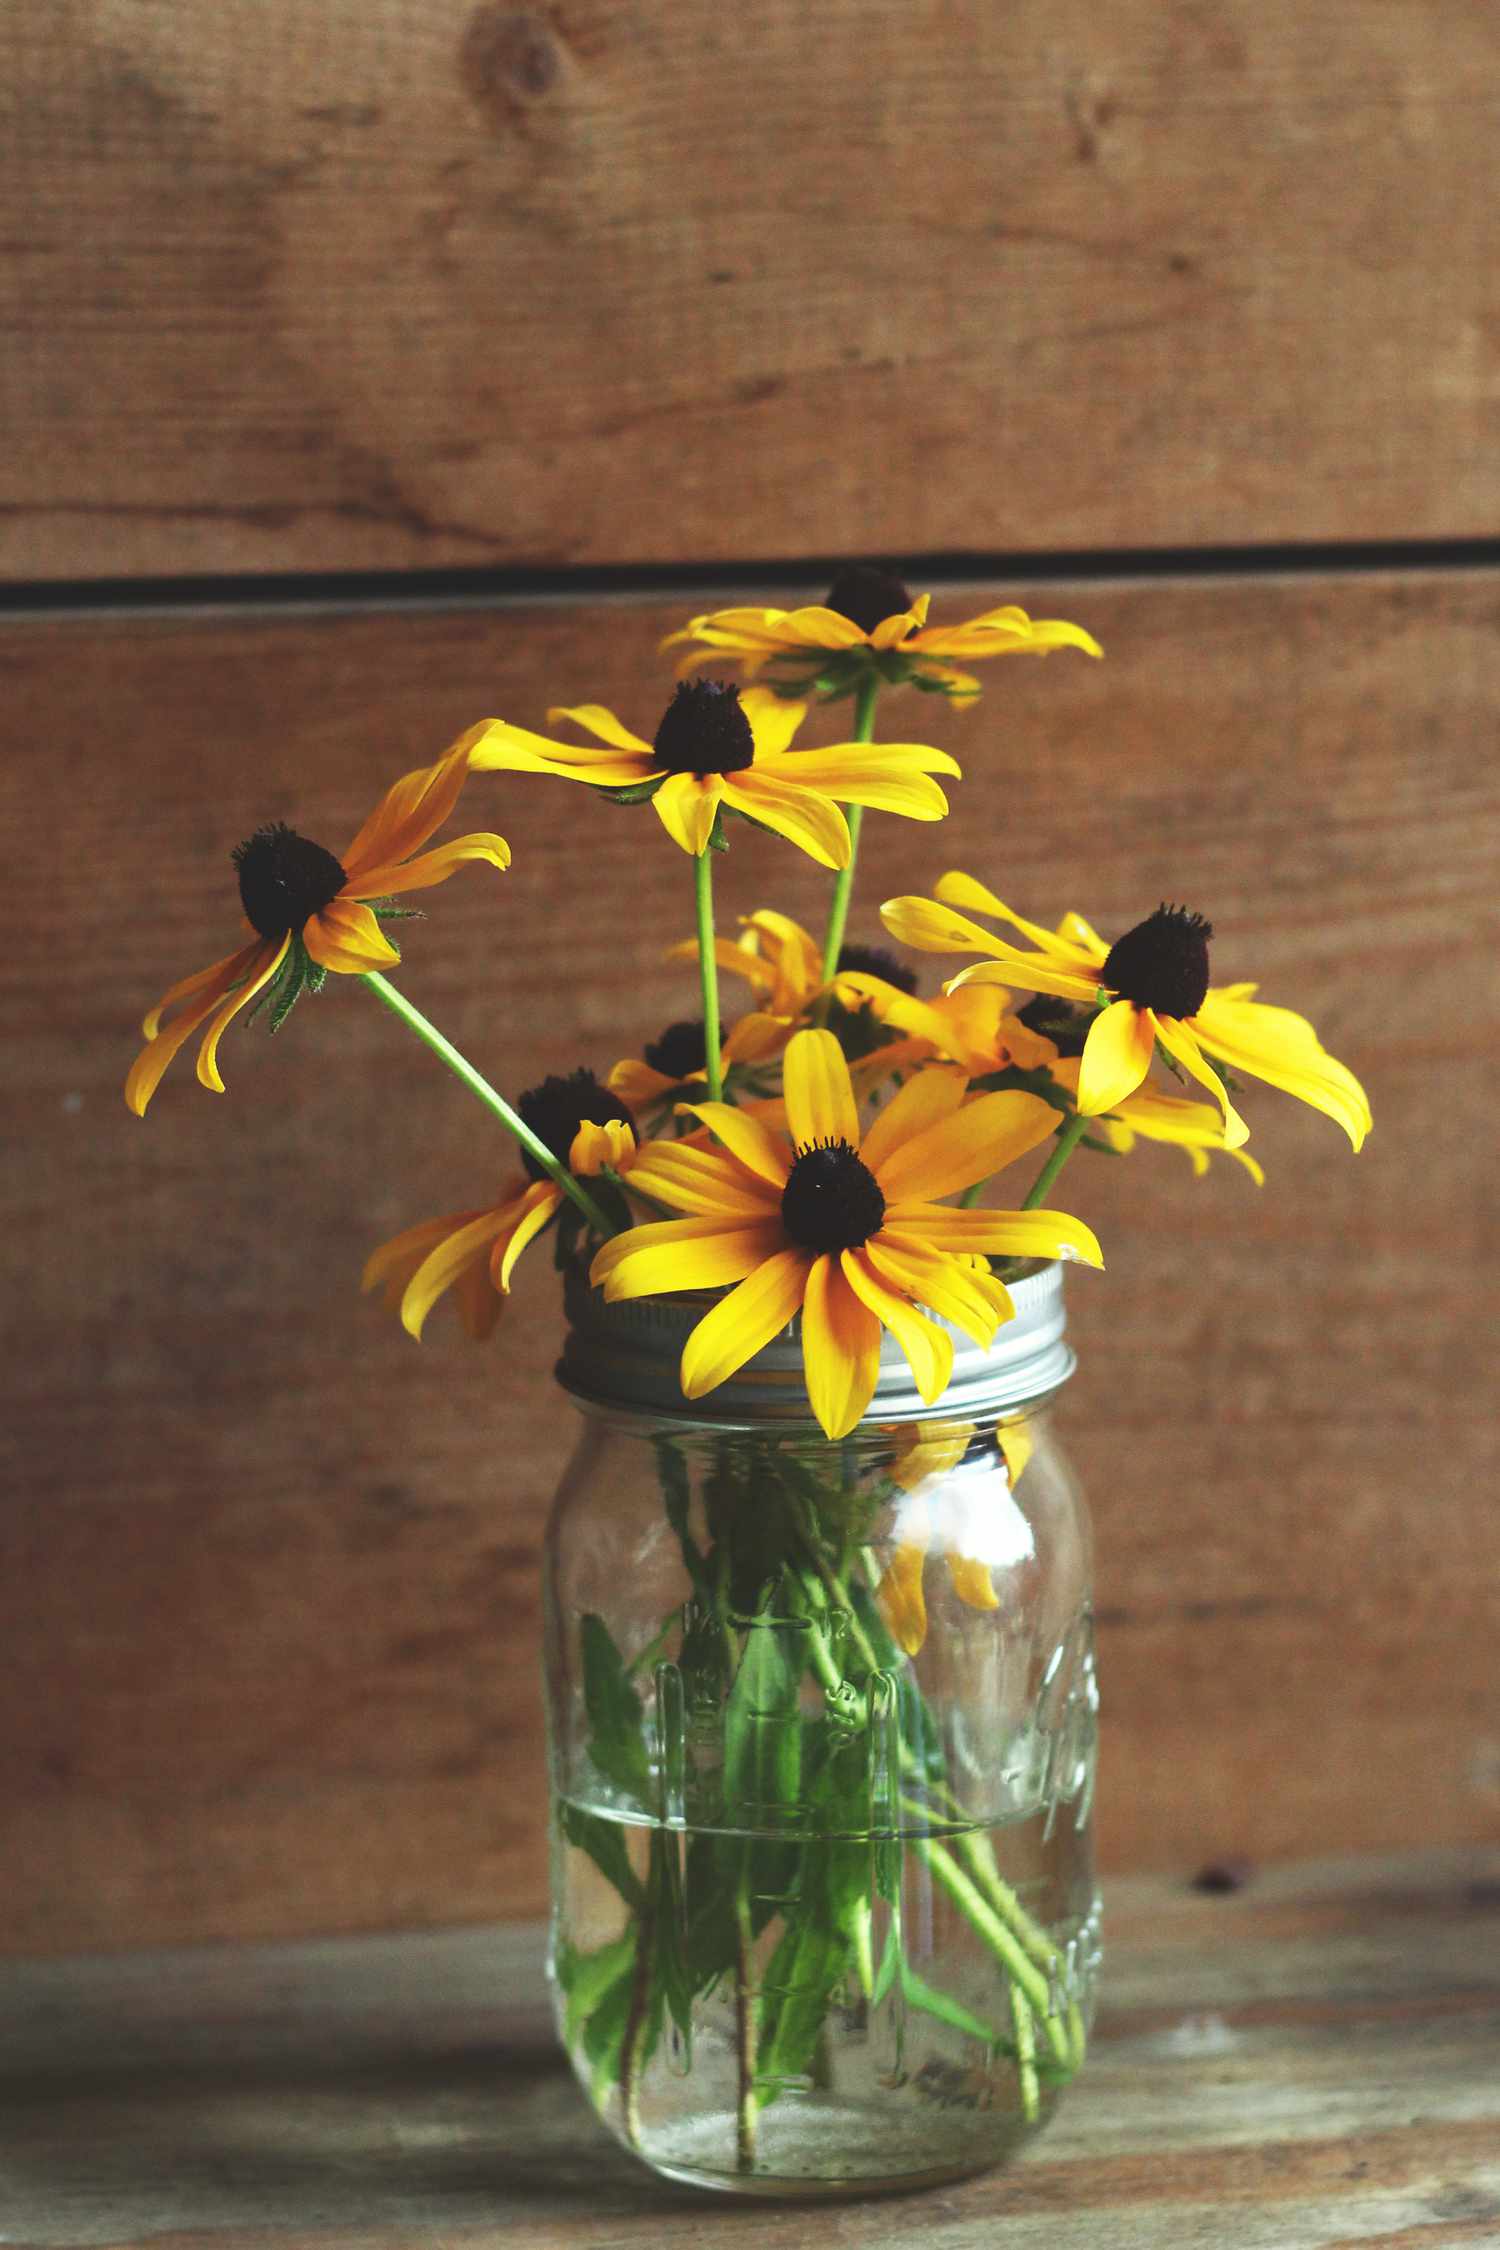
1183,1047
924,1101
972,1582
702,1179
391,1266
773,720
820,1103
1011,1234
346,937
479,1302
507,749
1017,1444
840,1349
413,809
812,822
218,976
596,720
207,988
429,867
928,1348
686,804
937,1280
971,1144
1116,1056
1283,1049
595,1146
470,1245
742,1323
933,928
523,1219
709,1260
208,1053
746,1138
899,1594
637,1085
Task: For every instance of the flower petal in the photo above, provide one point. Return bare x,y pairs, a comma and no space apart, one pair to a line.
706,1180
971,1144
390,1267
937,1280
972,1582
742,1323
1030,970
428,868
507,749
869,761
469,1245
1182,1046
208,1053
1066,951
773,720
413,809
524,1219
1012,1234
933,928
812,822
820,1103
1116,1056
928,1348
691,1261
840,1349
686,804
596,720
1282,1048
208,988
899,1594
756,1147
925,1100
347,938
219,974
595,1146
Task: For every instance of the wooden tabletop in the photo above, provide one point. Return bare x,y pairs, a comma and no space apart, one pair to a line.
1311,2060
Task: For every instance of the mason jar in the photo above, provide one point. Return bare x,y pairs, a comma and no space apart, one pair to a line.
822,1725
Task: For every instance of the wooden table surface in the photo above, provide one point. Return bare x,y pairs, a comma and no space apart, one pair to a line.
1311,2060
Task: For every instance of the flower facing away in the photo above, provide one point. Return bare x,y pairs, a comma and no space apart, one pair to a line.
674,1065
977,1028
843,1229
474,1253
716,747
968,1521
309,913
1149,1114
1153,983
869,620
783,965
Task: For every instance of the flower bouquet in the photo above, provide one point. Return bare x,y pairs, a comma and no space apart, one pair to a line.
821,1690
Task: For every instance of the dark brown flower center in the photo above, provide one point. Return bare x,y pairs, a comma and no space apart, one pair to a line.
703,730
867,596
874,961
1162,963
679,1051
555,1110
832,1200
284,879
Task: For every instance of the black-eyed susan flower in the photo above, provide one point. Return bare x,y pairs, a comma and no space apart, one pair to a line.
1150,1114
965,1520
976,1028
717,748
869,622
673,1067
846,1230
1153,985
783,965
474,1253
309,912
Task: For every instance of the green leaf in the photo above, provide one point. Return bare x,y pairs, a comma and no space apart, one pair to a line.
635,792
617,1741
762,1719
801,1977
932,2002
586,1979
604,1842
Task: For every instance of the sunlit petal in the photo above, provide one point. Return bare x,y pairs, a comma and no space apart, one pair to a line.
742,1323
840,1349
820,1103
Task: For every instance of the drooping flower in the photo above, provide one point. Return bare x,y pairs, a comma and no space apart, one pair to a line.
868,621
973,1523
309,913
715,747
1153,1115
783,965
474,1253
846,1230
1154,985
977,1028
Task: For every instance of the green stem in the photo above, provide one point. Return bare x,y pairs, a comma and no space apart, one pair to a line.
1001,1941
708,970
1020,2016
463,1069
745,2039
843,882
1068,1137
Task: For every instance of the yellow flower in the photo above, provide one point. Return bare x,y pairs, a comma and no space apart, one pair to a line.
870,620
843,1229
783,965
307,912
962,1528
715,747
671,1065
1154,981
977,1028
474,1252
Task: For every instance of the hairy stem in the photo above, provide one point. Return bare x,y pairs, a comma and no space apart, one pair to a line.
496,1103
843,882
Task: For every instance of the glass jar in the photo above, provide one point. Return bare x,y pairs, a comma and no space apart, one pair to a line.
822,1724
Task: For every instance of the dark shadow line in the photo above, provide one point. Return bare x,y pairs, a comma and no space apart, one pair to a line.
353,589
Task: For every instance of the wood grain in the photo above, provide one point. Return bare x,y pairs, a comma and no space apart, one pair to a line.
422,284
1308,2065
269,1571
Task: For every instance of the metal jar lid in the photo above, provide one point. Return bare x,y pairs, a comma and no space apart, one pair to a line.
626,1356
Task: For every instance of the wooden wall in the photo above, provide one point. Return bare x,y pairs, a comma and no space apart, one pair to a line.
410,285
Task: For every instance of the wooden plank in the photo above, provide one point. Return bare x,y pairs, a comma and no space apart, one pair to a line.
379,2092
269,1571
410,285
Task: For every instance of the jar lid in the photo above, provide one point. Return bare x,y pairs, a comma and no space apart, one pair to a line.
627,1355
